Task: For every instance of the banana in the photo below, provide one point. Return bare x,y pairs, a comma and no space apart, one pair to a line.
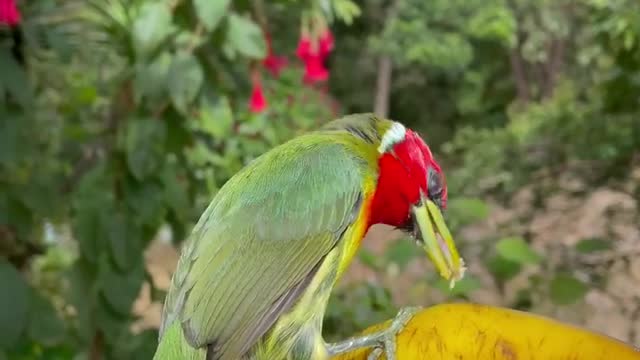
463,331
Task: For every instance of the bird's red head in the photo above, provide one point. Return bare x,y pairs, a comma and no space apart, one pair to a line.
411,193
408,173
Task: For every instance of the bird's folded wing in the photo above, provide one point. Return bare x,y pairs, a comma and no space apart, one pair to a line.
260,243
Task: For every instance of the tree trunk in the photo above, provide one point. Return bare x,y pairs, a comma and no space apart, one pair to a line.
554,66
383,86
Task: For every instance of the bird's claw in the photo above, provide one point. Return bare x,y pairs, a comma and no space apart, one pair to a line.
387,342
382,342
375,353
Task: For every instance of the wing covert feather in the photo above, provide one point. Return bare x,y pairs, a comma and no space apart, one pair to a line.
263,234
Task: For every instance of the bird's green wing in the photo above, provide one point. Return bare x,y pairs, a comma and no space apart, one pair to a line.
260,242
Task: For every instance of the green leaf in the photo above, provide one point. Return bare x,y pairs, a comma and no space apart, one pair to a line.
92,205
246,37
502,268
592,245
401,252
346,10
523,300
495,22
466,210
189,40
14,304
216,118
380,296
200,155
176,196
565,289
119,290
40,195
150,79
12,133
517,250
14,79
45,326
14,212
82,296
112,323
151,27
124,238
144,142
89,231
369,259
464,287
146,202
185,80
140,346
211,12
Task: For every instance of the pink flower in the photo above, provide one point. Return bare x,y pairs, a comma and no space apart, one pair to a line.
9,13
258,102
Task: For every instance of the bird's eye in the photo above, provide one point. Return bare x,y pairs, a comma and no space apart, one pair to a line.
435,186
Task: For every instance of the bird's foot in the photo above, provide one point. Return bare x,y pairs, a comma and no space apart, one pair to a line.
383,342
387,345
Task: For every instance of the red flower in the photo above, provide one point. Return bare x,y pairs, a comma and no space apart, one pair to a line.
258,102
313,51
326,43
272,62
9,13
314,70
304,48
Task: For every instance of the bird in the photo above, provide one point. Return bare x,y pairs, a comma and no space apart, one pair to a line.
255,274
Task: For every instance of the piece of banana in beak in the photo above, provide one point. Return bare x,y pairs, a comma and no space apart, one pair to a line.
437,241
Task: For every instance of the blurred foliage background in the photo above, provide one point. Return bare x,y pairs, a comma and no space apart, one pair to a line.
119,120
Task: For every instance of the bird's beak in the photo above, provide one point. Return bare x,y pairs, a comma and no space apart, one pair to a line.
432,234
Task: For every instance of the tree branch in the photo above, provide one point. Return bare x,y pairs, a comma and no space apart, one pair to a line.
383,86
517,62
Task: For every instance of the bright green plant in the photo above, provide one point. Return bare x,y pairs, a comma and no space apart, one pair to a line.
115,119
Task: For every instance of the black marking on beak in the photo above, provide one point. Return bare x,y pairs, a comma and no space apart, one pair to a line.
417,234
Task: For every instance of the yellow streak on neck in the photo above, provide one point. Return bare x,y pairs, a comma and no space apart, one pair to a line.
353,236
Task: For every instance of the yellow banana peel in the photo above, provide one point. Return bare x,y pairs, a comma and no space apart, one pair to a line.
478,332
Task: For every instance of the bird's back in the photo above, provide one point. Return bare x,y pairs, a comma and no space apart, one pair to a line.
263,240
